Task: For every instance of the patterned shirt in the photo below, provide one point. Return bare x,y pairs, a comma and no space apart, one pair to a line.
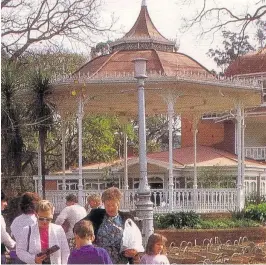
109,237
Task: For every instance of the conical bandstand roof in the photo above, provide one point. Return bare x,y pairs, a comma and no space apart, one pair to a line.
108,85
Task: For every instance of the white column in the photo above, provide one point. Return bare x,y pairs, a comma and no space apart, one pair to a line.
144,206
195,178
195,132
240,170
243,150
143,187
125,162
171,180
64,153
80,117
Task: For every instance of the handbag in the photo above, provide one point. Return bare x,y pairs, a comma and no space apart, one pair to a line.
13,254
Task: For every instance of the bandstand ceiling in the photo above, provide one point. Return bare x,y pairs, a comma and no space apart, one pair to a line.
119,95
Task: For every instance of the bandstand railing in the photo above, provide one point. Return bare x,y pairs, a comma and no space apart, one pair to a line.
198,200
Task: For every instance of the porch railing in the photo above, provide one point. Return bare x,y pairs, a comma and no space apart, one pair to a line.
257,153
199,200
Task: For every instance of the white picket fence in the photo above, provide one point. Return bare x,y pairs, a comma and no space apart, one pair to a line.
206,200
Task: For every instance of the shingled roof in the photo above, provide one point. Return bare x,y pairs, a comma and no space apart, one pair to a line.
251,63
145,41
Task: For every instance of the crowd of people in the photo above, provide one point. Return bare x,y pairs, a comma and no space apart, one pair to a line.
98,233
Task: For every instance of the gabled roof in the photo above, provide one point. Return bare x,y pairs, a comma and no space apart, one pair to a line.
206,156
182,158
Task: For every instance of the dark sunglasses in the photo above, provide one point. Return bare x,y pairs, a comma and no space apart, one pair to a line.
45,219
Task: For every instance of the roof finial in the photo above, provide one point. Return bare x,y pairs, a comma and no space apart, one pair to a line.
143,3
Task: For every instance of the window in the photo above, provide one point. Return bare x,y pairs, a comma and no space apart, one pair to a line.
71,184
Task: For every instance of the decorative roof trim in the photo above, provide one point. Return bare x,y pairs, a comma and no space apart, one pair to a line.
186,77
143,30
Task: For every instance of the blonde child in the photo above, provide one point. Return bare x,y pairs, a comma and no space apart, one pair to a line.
94,201
155,250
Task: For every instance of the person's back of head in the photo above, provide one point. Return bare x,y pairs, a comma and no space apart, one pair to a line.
84,233
28,202
83,229
153,240
71,199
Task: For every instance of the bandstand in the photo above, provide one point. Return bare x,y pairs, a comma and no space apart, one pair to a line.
174,84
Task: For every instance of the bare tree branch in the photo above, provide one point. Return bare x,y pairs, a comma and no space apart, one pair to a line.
29,22
223,16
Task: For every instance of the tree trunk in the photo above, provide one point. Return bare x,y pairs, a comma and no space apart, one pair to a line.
42,142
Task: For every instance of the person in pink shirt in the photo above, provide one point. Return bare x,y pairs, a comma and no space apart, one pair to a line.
155,250
37,238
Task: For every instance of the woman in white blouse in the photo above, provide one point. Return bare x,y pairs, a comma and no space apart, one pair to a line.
37,238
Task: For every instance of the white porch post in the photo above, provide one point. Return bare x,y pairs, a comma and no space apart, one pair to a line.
144,205
195,177
125,161
240,157
170,128
64,153
195,132
80,117
39,171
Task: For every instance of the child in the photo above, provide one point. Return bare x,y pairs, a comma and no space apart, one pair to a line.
86,253
94,201
155,250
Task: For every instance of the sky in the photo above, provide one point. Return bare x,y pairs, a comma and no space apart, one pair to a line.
167,17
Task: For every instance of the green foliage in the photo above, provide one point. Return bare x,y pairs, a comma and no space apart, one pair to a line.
192,220
215,177
11,137
157,132
53,62
99,138
256,212
238,214
260,34
234,45
225,223
176,220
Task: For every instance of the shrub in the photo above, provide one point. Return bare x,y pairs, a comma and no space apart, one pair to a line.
176,220
256,212
238,214
226,223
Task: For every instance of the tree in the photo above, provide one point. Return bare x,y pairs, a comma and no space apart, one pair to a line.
223,16
215,177
234,46
11,138
261,33
157,133
41,113
30,22
101,48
